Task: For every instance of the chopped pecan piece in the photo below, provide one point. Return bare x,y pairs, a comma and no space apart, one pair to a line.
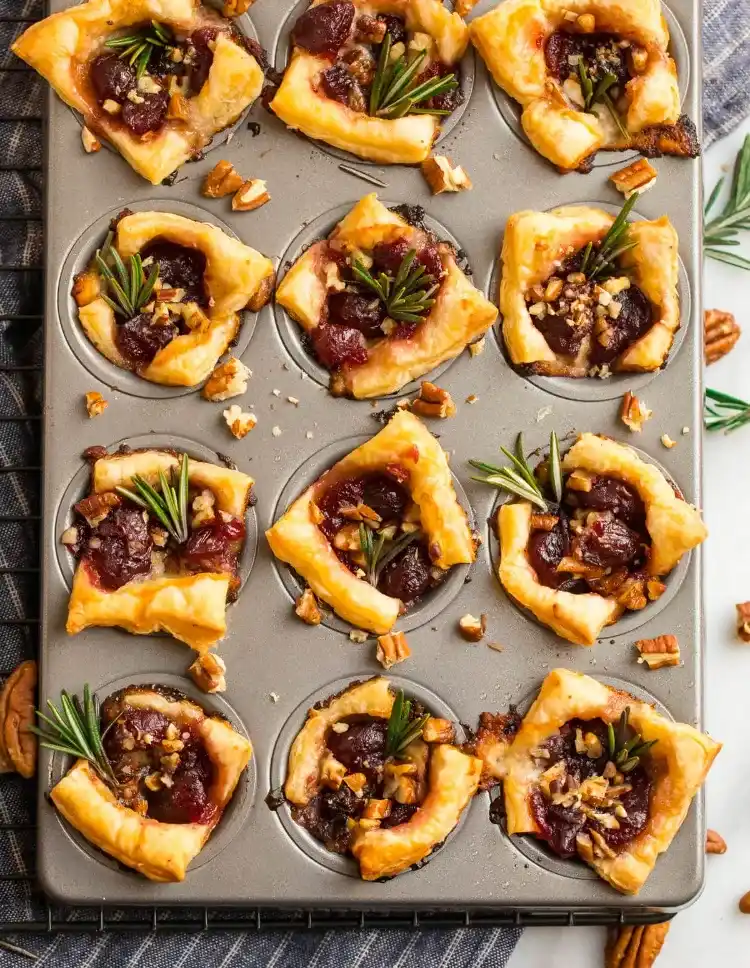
306,608
96,507
228,380
178,107
662,651
544,522
720,333
361,512
18,745
262,294
95,404
715,843
637,177
223,179
635,946
235,8
634,412
438,731
377,809
356,783
208,672
433,401
240,423
667,441
358,635
391,649
743,621
91,143
442,176
251,195
369,30
400,784
472,628
575,567
580,481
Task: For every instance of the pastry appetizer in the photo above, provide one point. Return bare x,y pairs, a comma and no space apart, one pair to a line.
589,76
379,529
586,294
156,78
374,775
590,536
374,77
382,301
600,775
152,776
155,556
163,295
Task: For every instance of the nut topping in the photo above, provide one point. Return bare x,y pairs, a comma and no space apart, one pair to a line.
743,621
634,412
228,380
392,649
223,179
442,176
240,423
472,628
720,333
544,522
638,177
306,608
433,401
91,143
356,783
332,772
715,843
438,731
208,671
178,108
18,746
95,404
662,651
96,507
635,946
251,195
235,8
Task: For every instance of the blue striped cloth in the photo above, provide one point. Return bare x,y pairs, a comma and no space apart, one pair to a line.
727,83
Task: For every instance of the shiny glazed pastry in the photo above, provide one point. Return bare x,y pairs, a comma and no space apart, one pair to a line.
561,321
589,75
192,282
174,769
395,494
373,775
598,774
371,345
133,572
606,548
194,78
332,89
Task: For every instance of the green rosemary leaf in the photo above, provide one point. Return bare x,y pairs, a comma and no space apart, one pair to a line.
603,86
734,216
404,268
728,258
161,32
614,243
586,256
629,764
119,293
423,92
487,468
505,483
127,40
555,468
184,485
398,86
377,84
439,111
413,731
724,412
587,88
396,721
394,549
148,286
713,196
74,729
611,741
115,307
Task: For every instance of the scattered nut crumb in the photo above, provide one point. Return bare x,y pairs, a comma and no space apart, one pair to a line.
309,435
743,621
223,179
634,412
358,635
542,413
662,651
472,398
228,380
720,334
274,696
251,195
293,400
240,423
472,628
496,646
433,401
208,672
306,608
667,441
391,649
715,843
95,404
442,176
637,177
276,431
91,143
477,347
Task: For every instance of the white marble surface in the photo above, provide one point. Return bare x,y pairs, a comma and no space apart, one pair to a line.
711,931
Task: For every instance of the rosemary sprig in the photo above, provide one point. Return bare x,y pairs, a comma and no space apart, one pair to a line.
378,552
624,750
402,730
721,411
138,47
519,479
75,729
407,296
599,94
129,287
600,261
719,233
393,93
169,507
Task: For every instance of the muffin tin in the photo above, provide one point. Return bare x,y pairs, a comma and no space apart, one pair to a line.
277,665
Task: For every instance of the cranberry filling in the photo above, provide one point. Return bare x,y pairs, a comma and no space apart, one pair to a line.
214,547
601,53
139,339
323,29
336,345
180,268
633,321
362,747
546,550
608,543
408,576
610,494
119,548
357,311
394,26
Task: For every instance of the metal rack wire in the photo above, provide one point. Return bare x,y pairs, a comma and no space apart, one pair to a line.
19,628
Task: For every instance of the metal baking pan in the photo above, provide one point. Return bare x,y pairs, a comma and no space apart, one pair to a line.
278,666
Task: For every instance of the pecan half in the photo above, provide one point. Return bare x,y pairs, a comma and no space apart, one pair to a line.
391,649
715,843
207,672
635,946
433,401
96,507
18,746
720,333
223,179
744,904
743,621
637,177
250,195
662,651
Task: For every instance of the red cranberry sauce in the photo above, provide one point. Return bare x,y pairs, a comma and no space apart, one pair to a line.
560,823
163,766
180,267
118,549
214,547
361,749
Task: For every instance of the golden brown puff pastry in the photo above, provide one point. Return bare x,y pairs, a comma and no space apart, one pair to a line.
677,765
445,779
460,314
537,243
404,447
674,528
157,849
301,103
62,46
191,606
514,40
235,276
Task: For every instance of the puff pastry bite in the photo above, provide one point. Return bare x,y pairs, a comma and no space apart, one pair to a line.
373,775
576,303
604,545
589,75
342,292
135,572
156,78
617,798
346,82
379,529
170,769
163,295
